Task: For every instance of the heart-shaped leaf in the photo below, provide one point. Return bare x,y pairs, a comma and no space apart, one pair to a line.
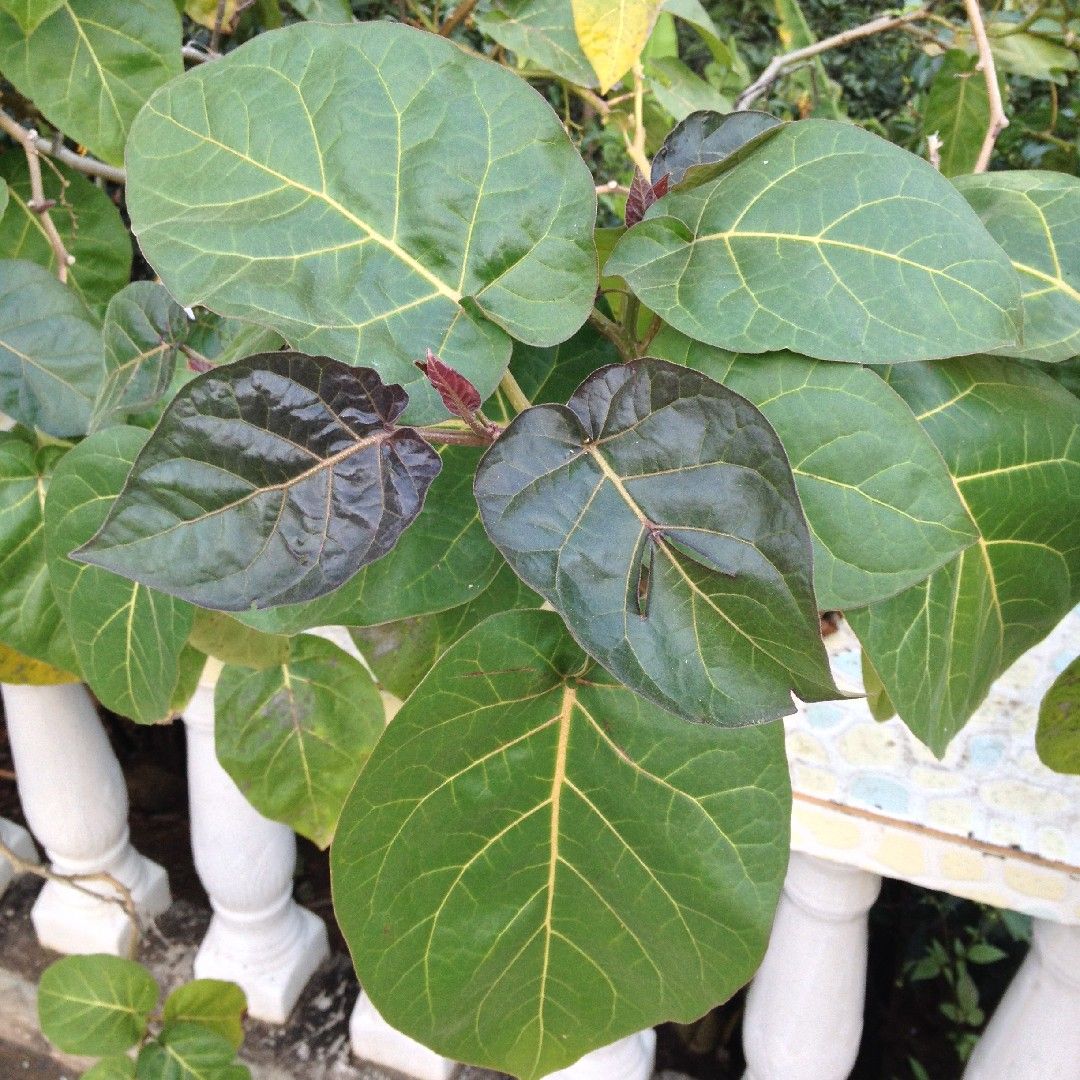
363,219
211,1003
50,352
1010,437
95,1004
187,1051
1057,738
90,69
30,619
657,513
883,263
881,506
1035,217
706,143
86,219
536,862
294,737
268,481
128,638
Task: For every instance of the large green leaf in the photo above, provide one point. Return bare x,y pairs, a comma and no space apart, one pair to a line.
323,10
401,653
536,862
114,1067
95,1004
880,504
268,481
829,241
958,111
127,638
50,352
212,1003
227,639
142,333
1057,738
1035,217
91,64
87,220
365,217
445,559
294,737
1010,436
541,32
189,1052
30,619
657,513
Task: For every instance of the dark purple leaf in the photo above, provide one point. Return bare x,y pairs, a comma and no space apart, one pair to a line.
458,394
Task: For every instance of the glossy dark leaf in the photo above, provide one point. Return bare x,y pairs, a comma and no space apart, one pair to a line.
536,862
268,481
705,143
642,195
658,514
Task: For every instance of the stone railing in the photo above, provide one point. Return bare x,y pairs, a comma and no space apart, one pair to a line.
989,822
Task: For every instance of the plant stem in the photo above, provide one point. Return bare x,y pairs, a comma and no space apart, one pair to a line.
614,333
457,17
514,394
779,64
37,203
635,146
215,34
998,120
455,438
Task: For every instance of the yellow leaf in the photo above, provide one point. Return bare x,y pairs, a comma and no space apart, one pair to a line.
612,34
205,11
24,671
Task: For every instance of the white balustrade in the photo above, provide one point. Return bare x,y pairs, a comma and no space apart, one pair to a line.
374,1040
19,842
259,936
632,1058
804,1010
75,801
1035,1032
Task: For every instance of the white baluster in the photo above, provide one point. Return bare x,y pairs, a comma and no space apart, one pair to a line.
374,1040
805,1006
19,842
259,936
1035,1032
632,1058
75,801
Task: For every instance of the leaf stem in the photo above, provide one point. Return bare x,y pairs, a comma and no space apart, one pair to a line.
615,334
635,146
514,394
998,120
441,435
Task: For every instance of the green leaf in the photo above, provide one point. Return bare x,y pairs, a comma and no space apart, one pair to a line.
679,90
118,1067
1035,217
812,85
189,1052
679,557
1010,436
230,641
28,13
143,330
445,559
127,638
539,31
287,473
86,219
30,619
879,502
95,1004
536,862
707,143
211,1003
22,670
958,111
457,232
329,11
90,71
401,653
695,15
295,737
1030,55
897,265
50,352
1057,738
877,698
612,34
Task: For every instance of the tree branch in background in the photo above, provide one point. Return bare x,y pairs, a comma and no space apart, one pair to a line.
37,203
998,120
457,17
779,65
79,162
219,19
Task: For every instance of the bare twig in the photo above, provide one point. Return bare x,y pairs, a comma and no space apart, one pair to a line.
998,120
37,203
219,19
612,187
778,65
195,54
55,149
457,17
79,882
635,145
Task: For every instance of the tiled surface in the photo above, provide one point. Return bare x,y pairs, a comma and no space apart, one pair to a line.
989,821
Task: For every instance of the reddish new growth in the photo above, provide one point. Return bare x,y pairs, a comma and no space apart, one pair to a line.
642,195
459,395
